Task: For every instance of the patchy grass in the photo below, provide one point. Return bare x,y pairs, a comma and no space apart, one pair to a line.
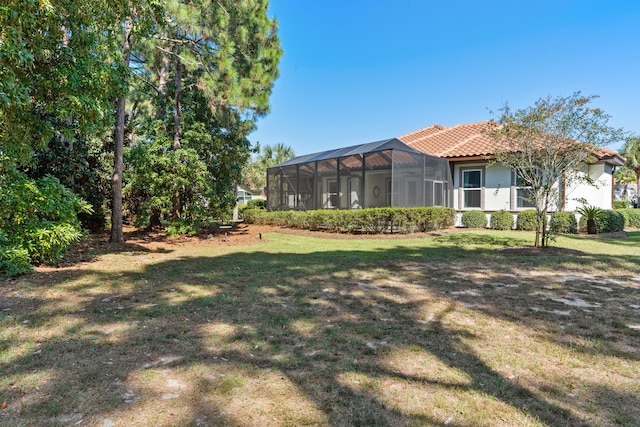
295,330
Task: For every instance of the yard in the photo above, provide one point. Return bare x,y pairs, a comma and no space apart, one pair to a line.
260,327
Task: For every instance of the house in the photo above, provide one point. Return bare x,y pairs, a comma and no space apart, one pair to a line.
433,166
479,183
243,195
376,174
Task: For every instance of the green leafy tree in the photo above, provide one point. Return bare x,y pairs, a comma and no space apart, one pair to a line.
548,143
82,166
57,82
207,72
56,77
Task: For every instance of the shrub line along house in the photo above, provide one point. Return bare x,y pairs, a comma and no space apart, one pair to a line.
433,166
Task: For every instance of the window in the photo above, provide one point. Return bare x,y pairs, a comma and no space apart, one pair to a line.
524,194
472,188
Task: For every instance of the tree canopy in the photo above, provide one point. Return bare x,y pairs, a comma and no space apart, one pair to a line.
631,151
546,145
156,96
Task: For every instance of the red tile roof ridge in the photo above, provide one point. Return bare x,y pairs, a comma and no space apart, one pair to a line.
439,128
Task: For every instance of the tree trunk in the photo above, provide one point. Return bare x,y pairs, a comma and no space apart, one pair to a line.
177,132
177,113
591,226
154,220
116,206
163,81
538,241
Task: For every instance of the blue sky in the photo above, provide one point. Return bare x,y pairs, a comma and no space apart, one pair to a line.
359,71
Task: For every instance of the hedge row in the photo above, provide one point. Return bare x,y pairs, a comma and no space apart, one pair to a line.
631,217
370,220
403,220
621,204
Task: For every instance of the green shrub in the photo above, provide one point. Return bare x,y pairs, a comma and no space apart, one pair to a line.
609,221
501,220
474,219
257,204
188,227
631,217
621,204
526,220
38,220
14,261
563,222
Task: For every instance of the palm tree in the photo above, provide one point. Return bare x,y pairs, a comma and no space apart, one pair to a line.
256,171
631,151
624,176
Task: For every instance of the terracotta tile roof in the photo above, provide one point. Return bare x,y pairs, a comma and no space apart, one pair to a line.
463,140
470,140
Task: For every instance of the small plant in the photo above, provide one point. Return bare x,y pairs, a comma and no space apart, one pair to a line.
501,220
474,219
609,221
591,215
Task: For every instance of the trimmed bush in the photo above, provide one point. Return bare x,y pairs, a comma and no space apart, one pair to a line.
631,217
609,221
257,204
621,204
563,222
474,219
370,220
501,220
526,220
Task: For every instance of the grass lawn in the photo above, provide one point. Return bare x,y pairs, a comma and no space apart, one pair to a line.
460,329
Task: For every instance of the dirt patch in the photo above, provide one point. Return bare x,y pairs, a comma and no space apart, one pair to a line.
533,251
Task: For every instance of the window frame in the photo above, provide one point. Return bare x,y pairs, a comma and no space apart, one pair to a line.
463,190
519,202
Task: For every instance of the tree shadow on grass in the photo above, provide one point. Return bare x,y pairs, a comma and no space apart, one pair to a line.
311,318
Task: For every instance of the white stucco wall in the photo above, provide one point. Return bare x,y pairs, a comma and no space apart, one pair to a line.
498,193
498,188
598,195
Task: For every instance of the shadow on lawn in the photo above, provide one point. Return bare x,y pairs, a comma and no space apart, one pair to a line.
264,298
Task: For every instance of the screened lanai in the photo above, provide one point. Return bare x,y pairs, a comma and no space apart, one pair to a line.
377,174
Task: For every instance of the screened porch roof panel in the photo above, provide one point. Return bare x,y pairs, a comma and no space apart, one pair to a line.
371,147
